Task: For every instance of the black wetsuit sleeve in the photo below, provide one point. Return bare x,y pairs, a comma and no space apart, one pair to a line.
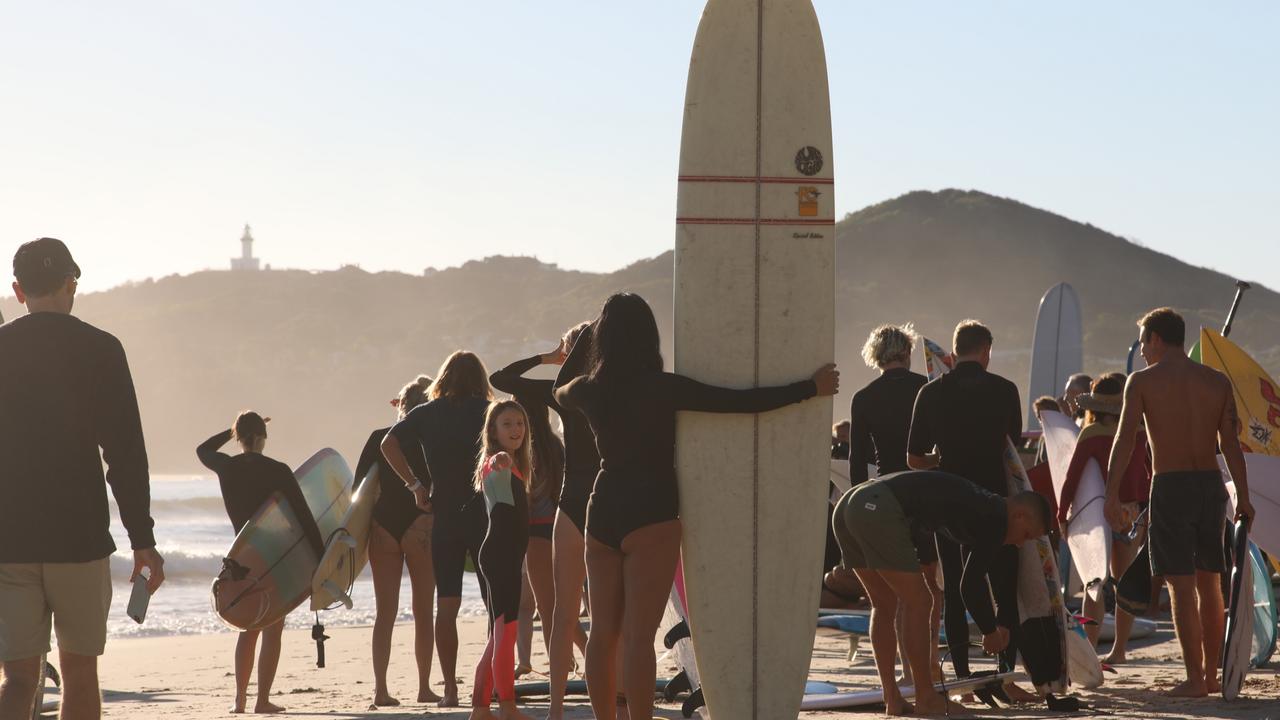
511,380
209,454
1015,415
687,394
409,432
860,442
975,590
283,481
921,439
369,457
119,429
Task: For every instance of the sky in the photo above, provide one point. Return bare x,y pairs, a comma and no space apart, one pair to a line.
407,135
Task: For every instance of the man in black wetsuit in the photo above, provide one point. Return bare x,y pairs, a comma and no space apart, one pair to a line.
66,393
877,523
969,415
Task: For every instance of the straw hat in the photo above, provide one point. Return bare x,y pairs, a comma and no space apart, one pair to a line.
1101,402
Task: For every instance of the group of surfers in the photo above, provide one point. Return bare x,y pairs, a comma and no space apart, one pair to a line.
464,475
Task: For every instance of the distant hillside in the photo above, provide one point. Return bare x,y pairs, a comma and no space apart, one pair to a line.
322,353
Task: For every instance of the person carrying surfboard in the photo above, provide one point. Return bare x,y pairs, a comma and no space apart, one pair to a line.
879,524
504,476
247,481
969,415
633,521
399,537
1190,415
1102,405
568,475
69,405
443,436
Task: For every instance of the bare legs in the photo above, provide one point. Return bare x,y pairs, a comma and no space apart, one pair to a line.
416,546
387,559
386,563
570,570
629,589
18,691
268,661
1197,618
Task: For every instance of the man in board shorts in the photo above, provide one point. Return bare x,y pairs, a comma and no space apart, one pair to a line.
66,392
876,524
1190,413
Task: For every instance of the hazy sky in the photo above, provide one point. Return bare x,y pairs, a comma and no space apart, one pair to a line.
402,135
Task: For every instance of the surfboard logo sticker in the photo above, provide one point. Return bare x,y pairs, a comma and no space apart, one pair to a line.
809,160
808,197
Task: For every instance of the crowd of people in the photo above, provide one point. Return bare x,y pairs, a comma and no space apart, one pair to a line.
541,514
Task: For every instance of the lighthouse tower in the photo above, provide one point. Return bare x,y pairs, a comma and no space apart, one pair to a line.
246,261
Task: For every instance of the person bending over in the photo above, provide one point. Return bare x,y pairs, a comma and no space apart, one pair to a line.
877,524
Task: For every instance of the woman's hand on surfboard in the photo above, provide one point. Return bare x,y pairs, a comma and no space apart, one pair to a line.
827,379
502,461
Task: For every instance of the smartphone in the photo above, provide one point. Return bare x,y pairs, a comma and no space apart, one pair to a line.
139,599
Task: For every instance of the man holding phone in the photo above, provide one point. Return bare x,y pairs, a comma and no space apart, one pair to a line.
65,395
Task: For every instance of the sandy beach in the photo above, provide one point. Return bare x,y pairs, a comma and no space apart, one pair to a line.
190,677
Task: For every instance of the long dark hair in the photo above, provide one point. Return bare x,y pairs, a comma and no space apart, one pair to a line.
461,376
626,340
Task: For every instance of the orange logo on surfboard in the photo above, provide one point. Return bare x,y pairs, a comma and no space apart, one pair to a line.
808,200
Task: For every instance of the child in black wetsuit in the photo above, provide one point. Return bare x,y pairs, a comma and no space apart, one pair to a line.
247,481
503,473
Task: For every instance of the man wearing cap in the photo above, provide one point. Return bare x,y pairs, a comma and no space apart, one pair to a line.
65,394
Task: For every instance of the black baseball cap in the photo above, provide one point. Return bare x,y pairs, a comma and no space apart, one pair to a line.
46,259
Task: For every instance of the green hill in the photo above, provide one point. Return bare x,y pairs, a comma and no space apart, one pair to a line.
322,353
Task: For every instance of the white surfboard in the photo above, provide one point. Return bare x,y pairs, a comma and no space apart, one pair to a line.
754,306
346,551
1237,652
1057,352
1264,493
1088,533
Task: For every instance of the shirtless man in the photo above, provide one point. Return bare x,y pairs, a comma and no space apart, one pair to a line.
1190,413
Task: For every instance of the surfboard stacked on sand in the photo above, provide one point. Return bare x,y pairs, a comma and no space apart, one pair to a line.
754,306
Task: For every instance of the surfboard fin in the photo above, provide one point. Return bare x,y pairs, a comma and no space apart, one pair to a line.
677,685
678,632
694,702
339,593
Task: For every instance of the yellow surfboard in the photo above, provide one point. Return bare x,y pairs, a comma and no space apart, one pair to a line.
1257,393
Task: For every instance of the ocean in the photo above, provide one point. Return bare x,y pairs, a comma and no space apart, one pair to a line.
193,533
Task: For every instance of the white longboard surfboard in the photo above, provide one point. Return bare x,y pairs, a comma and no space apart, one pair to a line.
1057,352
754,306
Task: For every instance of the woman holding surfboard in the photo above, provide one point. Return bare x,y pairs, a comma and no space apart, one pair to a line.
247,481
633,520
400,536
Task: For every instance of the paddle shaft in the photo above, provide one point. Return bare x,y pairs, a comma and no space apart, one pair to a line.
1241,286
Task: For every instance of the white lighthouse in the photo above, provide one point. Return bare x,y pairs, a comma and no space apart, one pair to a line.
246,261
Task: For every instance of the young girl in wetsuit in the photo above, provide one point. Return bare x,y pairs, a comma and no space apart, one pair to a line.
247,481
400,537
633,519
502,474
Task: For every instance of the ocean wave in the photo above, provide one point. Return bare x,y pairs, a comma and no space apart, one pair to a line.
203,505
179,566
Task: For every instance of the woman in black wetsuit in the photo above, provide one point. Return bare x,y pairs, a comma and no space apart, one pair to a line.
247,481
633,519
443,438
400,536
550,488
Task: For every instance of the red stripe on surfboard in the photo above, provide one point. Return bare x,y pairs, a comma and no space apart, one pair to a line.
746,179
751,221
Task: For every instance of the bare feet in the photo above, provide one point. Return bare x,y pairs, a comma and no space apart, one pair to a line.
1212,686
898,707
482,713
450,698
507,710
1114,658
266,707
1188,689
1019,695
238,706
426,695
523,669
384,699
935,704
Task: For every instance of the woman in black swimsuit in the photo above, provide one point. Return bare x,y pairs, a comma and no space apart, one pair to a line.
633,519
247,481
558,552
400,536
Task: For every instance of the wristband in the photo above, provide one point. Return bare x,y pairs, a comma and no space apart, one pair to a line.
416,486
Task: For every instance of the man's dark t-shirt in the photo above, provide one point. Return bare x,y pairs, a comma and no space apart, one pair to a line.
447,433
65,392
968,414
880,418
